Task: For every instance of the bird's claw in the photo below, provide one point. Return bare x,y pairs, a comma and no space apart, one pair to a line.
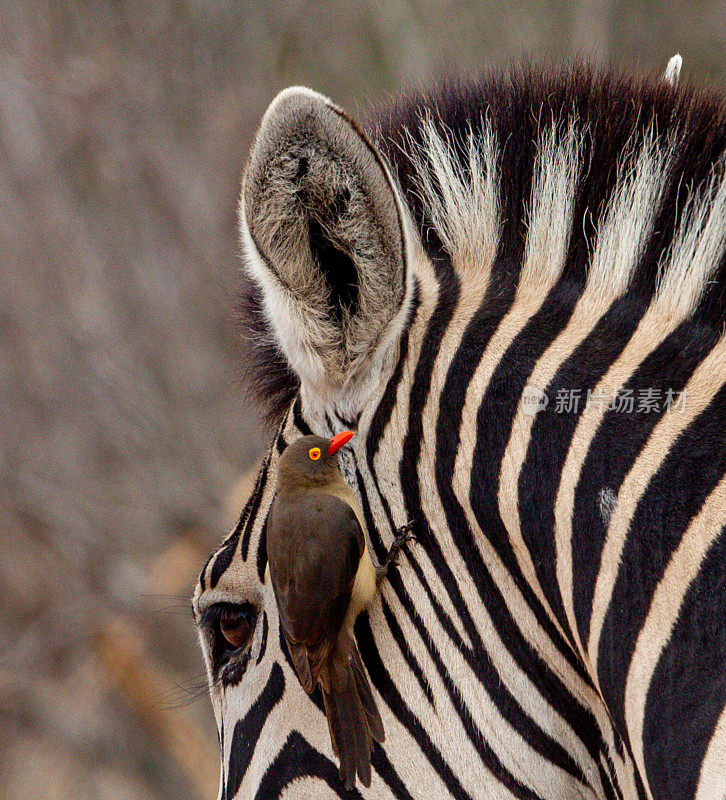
403,536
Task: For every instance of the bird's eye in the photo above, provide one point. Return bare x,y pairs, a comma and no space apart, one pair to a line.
314,453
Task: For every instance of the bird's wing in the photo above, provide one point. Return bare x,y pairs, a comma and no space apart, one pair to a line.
301,662
314,552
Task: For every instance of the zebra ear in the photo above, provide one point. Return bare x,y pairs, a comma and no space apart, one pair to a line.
324,236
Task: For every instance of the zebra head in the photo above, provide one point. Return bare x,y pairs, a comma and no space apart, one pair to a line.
420,280
338,270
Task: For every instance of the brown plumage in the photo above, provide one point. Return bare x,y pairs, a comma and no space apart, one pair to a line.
323,577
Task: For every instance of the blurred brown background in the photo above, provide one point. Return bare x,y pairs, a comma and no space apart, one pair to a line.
123,435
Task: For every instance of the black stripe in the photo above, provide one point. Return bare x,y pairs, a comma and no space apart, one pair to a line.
262,553
622,436
388,689
202,581
263,643
688,691
552,432
223,557
531,662
254,504
247,731
386,770
298,419
223,560
690,472
497,409
609,778
408,655
382,415
298,758
606,780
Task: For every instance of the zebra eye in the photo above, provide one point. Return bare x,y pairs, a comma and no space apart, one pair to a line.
229,628
235,625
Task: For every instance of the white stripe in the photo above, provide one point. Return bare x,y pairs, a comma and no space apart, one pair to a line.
700,389
515,754
550,226
532,291
663,613
712,778
461,195
681,284
609,276
464,209
444,727
549,232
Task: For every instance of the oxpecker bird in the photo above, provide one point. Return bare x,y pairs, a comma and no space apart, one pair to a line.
323,577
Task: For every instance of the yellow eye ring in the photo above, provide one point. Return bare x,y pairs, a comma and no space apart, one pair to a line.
314,453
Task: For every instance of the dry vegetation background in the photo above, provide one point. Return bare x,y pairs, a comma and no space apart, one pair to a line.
123,433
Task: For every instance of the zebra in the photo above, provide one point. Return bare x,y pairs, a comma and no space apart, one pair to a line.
512,288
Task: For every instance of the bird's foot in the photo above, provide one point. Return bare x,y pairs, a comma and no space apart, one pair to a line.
403,536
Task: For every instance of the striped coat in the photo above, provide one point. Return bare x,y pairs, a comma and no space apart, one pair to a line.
513,289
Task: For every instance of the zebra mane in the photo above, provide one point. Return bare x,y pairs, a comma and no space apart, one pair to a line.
267,377
627,171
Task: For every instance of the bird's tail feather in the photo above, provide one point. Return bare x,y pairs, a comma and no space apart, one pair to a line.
375,725
353,717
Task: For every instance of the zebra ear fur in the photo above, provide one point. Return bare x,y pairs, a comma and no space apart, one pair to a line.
324,237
